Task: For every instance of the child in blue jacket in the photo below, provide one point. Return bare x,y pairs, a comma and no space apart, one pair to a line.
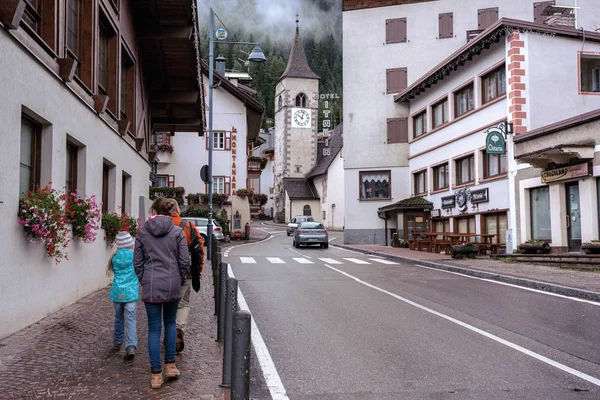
124,294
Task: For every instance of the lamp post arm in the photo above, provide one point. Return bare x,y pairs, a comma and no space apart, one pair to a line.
229,42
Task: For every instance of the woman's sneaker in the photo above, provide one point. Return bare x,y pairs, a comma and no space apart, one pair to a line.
129,353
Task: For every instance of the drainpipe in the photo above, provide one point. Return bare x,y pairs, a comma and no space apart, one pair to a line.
386,226
290,210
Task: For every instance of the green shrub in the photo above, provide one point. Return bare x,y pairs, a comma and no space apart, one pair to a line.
176,193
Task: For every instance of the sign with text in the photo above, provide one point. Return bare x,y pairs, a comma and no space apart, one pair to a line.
448,202
494,142
479,196
569,172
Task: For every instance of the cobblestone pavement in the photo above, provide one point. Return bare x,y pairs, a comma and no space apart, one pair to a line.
68,355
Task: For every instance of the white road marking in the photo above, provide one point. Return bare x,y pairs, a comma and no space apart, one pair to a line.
275,260
302,260
350,251
267,366
514,346
594,303
384,261
247,260
330,260
357,261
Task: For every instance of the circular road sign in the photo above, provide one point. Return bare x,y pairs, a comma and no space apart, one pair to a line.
221,33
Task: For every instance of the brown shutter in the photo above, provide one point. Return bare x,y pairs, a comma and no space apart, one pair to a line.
402,130
486,17
227,140
395,30
397,130
396,80
538,8
227,186
446,26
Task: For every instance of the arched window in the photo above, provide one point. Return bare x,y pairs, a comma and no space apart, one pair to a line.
280,102
306,211
301,100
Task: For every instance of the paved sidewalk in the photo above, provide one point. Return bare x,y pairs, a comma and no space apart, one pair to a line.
68,355
584,284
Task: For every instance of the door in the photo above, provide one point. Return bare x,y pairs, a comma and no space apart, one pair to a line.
573,216
415,222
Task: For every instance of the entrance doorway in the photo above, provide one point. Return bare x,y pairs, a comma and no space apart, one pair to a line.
573,216
415,222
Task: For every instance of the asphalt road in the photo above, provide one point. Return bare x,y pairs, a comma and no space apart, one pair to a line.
343,325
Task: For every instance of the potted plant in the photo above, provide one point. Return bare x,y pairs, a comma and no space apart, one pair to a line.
237,236
243,193
83,213
591,247
535,246
42,216
165,147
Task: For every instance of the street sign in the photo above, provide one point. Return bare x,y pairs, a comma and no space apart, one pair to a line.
494,142
221,33
204,173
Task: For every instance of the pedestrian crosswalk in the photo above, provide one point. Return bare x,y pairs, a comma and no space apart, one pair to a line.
304,260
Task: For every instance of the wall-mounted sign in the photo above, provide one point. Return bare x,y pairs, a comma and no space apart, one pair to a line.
448,202
572,171
494,141
436,213
462,197
221,33
479,196
301,118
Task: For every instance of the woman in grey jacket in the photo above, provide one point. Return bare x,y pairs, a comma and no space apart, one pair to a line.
161,260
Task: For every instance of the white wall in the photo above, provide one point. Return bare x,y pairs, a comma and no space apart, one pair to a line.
31,285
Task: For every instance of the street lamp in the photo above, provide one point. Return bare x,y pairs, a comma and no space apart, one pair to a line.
256,56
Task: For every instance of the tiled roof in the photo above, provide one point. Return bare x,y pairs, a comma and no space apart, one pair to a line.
300,188
297,66
336,143
410,203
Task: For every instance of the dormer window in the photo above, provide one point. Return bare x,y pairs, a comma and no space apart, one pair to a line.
301,100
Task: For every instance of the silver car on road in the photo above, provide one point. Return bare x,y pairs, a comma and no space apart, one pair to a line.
308,233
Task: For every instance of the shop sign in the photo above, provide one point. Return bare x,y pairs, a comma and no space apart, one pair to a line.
494,142
479,196
569,172
448,202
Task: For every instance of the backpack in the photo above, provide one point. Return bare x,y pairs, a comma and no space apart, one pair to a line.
196,254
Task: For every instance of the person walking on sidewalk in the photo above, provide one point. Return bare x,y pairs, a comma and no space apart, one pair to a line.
162,261
193,278
124,294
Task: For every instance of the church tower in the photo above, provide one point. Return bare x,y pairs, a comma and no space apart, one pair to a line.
296,113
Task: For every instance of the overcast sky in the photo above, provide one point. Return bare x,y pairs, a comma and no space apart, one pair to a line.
276,18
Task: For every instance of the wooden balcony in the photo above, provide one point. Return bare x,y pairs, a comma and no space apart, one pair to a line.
254,169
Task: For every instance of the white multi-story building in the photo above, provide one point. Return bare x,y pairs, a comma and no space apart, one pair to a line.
394,43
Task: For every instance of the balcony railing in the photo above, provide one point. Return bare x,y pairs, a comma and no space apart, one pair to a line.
254,168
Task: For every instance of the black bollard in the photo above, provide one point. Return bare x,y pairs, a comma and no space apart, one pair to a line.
230,308
240,365
222,301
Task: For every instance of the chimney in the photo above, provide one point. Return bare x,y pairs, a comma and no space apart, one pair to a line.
220,65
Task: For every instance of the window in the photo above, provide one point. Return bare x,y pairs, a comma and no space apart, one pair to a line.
31,155
162,180
493,164
280,102
306,210
540,213
465,225
464,100
73,20
125,193
465,170
375,185
79,33
486,17
103,60
496,224
439,113
301,100
108,63
219,140
590,72
441,225
420,181
396,80
71,171
127,89
538,9
219,184
397,130
395,30
440,177
420,124
39,19
446,29
105,177
493,85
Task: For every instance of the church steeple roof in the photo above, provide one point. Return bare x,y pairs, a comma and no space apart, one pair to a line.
297,66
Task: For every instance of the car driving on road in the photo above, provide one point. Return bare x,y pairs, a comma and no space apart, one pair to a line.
295,221
308,233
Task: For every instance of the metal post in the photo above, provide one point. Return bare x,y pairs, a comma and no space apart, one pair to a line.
240,365
230,308
224,274
211,55
216,286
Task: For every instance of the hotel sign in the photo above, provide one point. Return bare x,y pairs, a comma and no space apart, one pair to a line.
494,142
448,202
479,196
569,172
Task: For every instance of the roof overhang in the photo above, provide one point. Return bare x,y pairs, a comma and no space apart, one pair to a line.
413,203
560,155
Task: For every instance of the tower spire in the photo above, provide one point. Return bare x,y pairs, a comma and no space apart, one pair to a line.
297,66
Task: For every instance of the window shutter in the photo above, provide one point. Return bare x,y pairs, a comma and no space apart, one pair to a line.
395,30
396,80
227,140
171,181
397,130
538,8
446,28
168,138
486,17
207,139
403,130
227,187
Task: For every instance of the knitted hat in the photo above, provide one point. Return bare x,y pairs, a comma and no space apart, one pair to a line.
124,240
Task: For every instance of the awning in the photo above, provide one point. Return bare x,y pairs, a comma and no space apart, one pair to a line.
412,203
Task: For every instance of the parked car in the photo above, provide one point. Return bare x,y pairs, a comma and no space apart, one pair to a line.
308,233
202,225
295,221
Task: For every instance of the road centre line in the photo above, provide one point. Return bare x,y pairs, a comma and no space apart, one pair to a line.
514,346
267,366
514,286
